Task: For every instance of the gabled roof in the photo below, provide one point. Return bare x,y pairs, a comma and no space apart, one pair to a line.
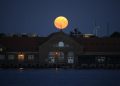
61,36
32,43
100,44
22,43
57,33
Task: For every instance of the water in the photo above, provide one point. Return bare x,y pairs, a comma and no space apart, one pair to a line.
52,77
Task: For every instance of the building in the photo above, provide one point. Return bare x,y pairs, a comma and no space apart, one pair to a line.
60,50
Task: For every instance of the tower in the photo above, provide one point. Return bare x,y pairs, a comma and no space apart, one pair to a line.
107,29
95,29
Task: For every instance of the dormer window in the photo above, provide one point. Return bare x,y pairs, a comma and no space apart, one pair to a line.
61,44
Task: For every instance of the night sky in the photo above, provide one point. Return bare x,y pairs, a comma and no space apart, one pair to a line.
37,16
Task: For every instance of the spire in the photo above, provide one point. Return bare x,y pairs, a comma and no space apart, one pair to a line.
107,27
95,30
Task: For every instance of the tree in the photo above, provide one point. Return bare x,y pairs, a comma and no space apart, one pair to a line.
2,35
115,34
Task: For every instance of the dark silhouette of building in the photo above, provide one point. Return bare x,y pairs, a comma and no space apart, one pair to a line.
60,50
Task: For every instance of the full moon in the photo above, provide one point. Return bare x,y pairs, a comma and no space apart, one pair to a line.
61,22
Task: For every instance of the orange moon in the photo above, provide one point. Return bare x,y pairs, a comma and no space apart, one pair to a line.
61,22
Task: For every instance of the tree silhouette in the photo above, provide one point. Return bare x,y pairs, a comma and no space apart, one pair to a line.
115,34
2,35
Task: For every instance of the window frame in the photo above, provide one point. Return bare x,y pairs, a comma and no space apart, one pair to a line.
3,57
31,57
61,44
11,55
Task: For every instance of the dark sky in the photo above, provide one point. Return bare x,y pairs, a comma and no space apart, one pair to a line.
37,16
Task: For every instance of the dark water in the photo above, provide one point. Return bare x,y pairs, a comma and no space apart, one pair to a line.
51,77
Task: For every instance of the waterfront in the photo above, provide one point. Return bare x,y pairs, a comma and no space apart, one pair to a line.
60,77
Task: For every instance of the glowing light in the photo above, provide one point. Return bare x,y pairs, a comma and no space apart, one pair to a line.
61,22
20,57
56,53
87,35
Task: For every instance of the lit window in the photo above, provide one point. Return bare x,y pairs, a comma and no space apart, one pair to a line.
87,35
100,59
2,57
52,60
70,60
70,57
61,55
10,57
30,57
21,57
54,56
61,44
1,49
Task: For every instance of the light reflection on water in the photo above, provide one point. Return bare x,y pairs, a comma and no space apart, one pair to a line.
60,77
